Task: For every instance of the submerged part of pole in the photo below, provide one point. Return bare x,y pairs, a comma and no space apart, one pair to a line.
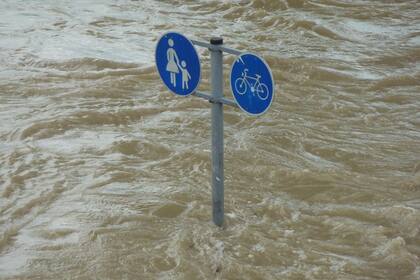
216,57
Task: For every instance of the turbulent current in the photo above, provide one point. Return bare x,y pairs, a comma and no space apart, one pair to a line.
104,174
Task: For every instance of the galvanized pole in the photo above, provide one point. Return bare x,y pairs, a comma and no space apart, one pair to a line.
216,57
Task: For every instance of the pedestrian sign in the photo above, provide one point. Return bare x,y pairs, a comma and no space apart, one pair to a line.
178,63
252,84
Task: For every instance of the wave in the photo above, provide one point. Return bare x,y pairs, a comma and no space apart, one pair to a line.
401,58
48,128
318,29
270,5
85,63
41,201
146,150
395,257
7,236
396,81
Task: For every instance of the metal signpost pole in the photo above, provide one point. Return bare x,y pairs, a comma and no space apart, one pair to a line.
216,58
251,83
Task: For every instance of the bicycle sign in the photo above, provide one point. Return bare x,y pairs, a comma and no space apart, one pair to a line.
252,84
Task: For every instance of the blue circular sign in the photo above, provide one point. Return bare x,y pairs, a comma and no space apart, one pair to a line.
252,84
178,63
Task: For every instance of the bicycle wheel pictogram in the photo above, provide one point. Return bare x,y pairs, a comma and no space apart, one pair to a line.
262,91
241,86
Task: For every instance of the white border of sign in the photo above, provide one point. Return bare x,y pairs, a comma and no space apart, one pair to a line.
272,79
199,62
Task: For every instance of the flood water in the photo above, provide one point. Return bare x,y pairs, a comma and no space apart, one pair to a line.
104,174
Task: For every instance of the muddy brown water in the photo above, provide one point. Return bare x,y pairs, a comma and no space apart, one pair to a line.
106,175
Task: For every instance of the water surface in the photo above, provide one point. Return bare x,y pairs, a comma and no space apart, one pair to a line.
105,174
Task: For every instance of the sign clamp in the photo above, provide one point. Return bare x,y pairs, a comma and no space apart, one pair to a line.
211,99
216,47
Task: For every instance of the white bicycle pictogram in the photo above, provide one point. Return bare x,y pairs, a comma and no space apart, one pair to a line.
242,84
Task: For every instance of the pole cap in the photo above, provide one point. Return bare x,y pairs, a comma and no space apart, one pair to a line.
216,41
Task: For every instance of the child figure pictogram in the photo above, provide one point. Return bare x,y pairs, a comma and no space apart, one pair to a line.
186,77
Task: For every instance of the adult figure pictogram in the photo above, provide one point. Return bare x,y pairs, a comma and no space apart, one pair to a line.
173,62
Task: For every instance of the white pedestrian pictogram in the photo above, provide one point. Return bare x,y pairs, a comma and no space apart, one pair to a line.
174,66
173,62
185,75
